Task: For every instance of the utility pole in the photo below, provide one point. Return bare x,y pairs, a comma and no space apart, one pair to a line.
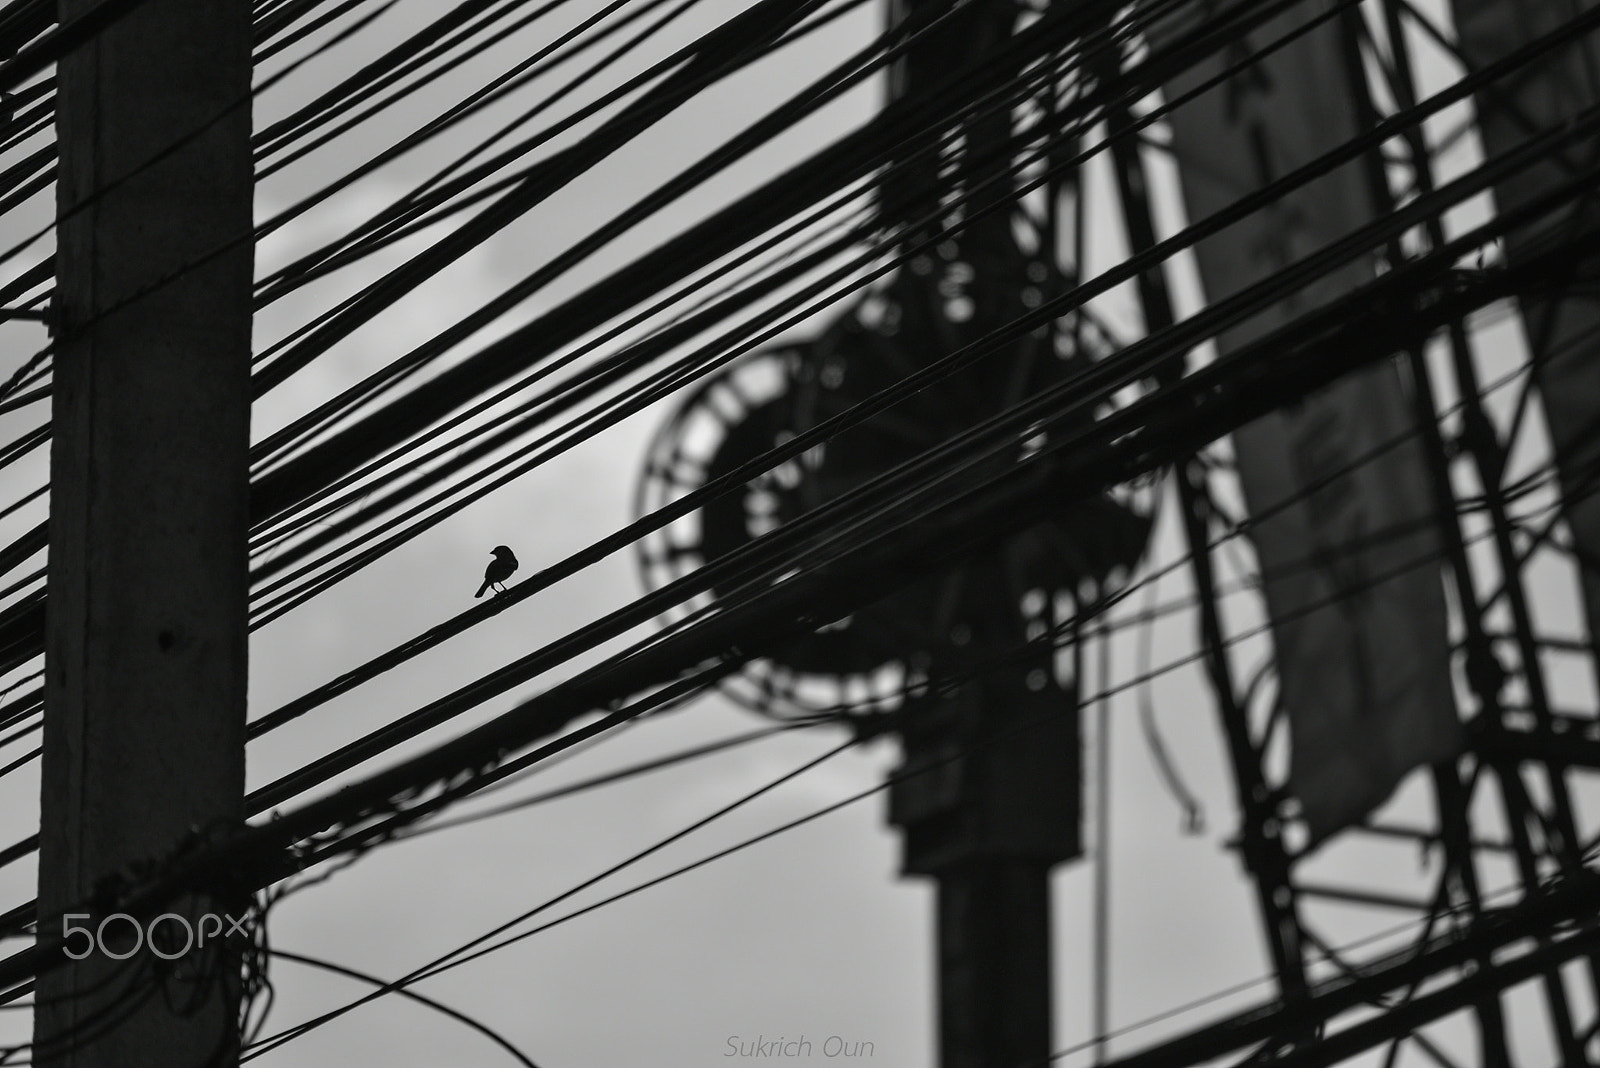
994,808
989,802
962,664
145,656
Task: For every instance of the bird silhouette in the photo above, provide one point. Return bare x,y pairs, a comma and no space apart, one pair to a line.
499,569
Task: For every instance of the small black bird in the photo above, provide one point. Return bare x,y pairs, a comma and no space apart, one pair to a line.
499,569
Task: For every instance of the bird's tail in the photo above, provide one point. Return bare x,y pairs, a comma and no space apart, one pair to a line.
482,589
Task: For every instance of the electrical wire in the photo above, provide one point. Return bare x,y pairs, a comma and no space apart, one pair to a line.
476,949
437,1006
267,1044
429,715
608,779
548,175
791,320
1199,654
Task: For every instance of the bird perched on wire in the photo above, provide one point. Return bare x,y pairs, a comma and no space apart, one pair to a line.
500,568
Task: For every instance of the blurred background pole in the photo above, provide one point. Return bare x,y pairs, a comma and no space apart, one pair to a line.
996,805
145,659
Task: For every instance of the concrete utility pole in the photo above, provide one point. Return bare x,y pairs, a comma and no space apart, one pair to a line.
145,660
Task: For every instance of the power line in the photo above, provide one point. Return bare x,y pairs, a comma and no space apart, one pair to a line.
437,1006
1003,508
416,719
270,1043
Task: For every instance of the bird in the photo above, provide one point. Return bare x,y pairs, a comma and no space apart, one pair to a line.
500,568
